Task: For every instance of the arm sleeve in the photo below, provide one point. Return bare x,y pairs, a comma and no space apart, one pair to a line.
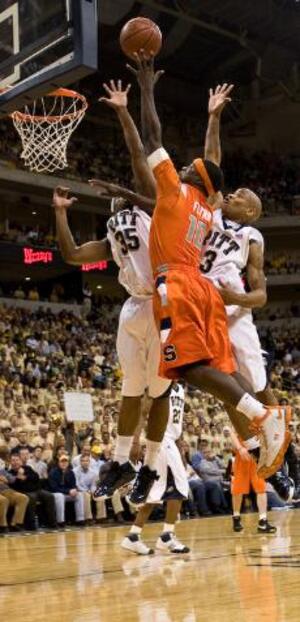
256,236
167,179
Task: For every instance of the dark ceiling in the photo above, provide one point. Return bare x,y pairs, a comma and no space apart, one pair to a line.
207,41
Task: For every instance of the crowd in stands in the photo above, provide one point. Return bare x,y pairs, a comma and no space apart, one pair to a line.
49,467
275,178
282,263
33,236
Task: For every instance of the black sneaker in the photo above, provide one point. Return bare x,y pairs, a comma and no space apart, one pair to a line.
283,485
237,525
265,527
142,486
117,476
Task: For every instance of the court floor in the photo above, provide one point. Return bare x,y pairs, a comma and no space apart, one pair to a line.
84,576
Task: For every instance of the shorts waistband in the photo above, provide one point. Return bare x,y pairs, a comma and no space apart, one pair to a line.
180,267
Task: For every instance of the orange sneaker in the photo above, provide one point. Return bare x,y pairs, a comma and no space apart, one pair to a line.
274,439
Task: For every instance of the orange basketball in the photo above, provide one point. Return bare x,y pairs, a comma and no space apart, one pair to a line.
140,33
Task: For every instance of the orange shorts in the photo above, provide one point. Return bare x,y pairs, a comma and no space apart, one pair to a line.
191,317
245,477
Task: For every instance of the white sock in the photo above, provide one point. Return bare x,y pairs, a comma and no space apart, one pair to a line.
152,451
250,407
135,529
251,443
168,527
236,514
122,448
263,516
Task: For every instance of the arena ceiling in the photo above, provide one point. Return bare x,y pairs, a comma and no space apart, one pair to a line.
206,41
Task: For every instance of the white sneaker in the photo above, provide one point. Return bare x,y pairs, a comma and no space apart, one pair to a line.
168,542
133,543
275,438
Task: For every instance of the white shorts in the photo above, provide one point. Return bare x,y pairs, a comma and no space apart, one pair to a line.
169,456
247,350
138,348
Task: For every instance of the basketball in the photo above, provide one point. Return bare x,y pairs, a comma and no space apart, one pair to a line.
140,33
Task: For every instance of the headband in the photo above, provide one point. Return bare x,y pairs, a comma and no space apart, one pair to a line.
201,170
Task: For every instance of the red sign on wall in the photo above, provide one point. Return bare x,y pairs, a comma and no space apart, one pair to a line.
31,256
99,265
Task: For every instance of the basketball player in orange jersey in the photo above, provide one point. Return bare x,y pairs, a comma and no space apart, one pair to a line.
189,311
245,478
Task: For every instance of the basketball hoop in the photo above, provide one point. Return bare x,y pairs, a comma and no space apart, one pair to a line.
46,128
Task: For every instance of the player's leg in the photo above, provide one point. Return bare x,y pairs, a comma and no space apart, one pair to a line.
167,540
236,508
260,488
130,349
263,524
159,391
133,541
240,486
249,356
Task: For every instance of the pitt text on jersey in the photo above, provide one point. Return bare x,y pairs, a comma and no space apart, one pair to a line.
222,243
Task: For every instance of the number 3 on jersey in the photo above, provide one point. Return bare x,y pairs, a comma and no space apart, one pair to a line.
196,232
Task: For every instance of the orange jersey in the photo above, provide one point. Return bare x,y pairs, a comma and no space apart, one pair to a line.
181,218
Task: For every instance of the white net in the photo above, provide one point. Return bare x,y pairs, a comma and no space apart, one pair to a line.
45,129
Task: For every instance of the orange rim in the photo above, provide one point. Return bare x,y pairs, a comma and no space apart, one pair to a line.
61,92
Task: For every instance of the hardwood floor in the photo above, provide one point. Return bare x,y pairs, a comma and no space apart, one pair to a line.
84,575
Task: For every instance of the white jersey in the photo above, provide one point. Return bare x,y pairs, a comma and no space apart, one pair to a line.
176,411
226,252
128,235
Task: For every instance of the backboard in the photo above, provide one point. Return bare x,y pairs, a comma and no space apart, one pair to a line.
44,44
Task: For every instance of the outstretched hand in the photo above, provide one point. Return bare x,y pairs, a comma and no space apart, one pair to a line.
61,199
117,96
218,98
106,189
144,71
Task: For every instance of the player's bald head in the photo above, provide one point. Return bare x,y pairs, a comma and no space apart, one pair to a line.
254,202
243,206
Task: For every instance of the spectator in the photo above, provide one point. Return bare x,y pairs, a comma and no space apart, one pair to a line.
63,484
37,464
86,452
27,482
86,479
10,498
212,471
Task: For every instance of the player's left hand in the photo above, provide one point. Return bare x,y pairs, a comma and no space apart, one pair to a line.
117,96
218,98
61,199
144,72
106,189
229,297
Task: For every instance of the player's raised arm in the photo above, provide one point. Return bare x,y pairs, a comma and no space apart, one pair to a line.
109,190
218,99
72,254
167,178
147,78
117,99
